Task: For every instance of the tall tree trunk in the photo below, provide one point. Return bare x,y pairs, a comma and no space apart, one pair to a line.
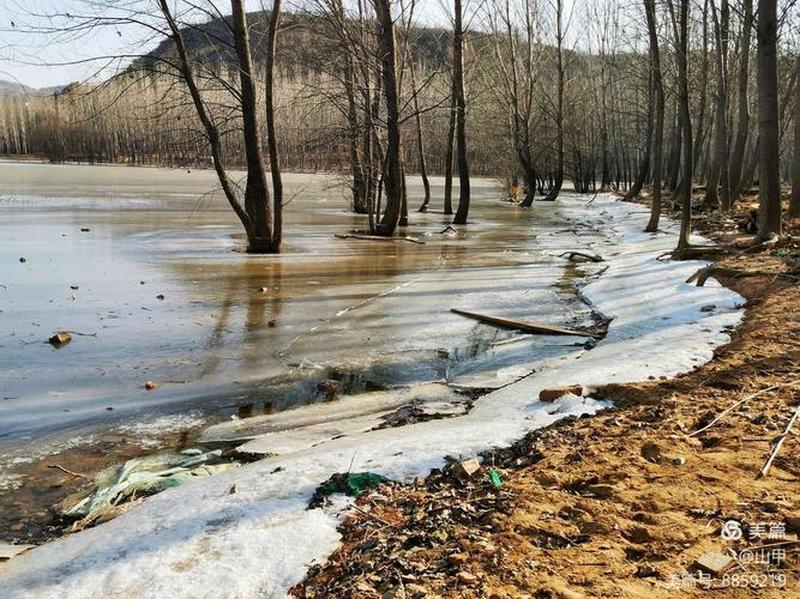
461,118
718,173
701,113
680,24
769,188
559,175
272,141
743,118
423,165
393,183
448,160
256,194
794,203
658,138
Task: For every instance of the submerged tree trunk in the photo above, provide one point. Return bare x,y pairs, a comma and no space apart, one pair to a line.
448,161
272,141
392,178
256,215
769,188
461,118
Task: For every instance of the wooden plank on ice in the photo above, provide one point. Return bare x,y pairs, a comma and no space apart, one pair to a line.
527,326
377,238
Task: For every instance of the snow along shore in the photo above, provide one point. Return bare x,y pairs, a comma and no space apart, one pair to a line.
201,541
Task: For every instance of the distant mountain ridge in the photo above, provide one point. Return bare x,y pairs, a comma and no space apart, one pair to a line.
14,88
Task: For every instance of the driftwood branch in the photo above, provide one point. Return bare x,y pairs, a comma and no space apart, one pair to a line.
521,325
702,275
70,472
774,453
573,256
377,238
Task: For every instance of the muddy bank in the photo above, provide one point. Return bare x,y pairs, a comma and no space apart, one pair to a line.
623,504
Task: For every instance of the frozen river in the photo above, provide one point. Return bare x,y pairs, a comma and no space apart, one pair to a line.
241,334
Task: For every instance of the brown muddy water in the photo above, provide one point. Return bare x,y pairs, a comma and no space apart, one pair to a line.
94,249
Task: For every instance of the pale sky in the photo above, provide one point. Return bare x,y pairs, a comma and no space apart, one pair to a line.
40,59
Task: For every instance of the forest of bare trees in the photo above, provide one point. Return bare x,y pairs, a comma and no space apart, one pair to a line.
664,95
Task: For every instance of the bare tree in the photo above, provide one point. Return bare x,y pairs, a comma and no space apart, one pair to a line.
658,101
461,116
769,183
392,177
680,27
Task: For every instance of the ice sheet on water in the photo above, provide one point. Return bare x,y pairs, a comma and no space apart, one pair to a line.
199,540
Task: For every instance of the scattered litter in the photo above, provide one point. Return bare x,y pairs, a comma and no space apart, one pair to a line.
145,476
714,562
467,468
349,483
60,339
494,477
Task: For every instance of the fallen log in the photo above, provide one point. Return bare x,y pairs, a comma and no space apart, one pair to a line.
573,255
527,326
377,238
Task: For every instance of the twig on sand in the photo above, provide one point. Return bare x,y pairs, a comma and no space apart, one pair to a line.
765,470
740,402
70,472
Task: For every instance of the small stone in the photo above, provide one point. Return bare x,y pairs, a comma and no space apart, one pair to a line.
550,395
708,308
60,339
23,259
467,468
467,578
645,571
150,386
160,296
74,287
599,491
232,490
416,590
109,409
271,324
651,452
458,558
85,229
263,289
678,460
